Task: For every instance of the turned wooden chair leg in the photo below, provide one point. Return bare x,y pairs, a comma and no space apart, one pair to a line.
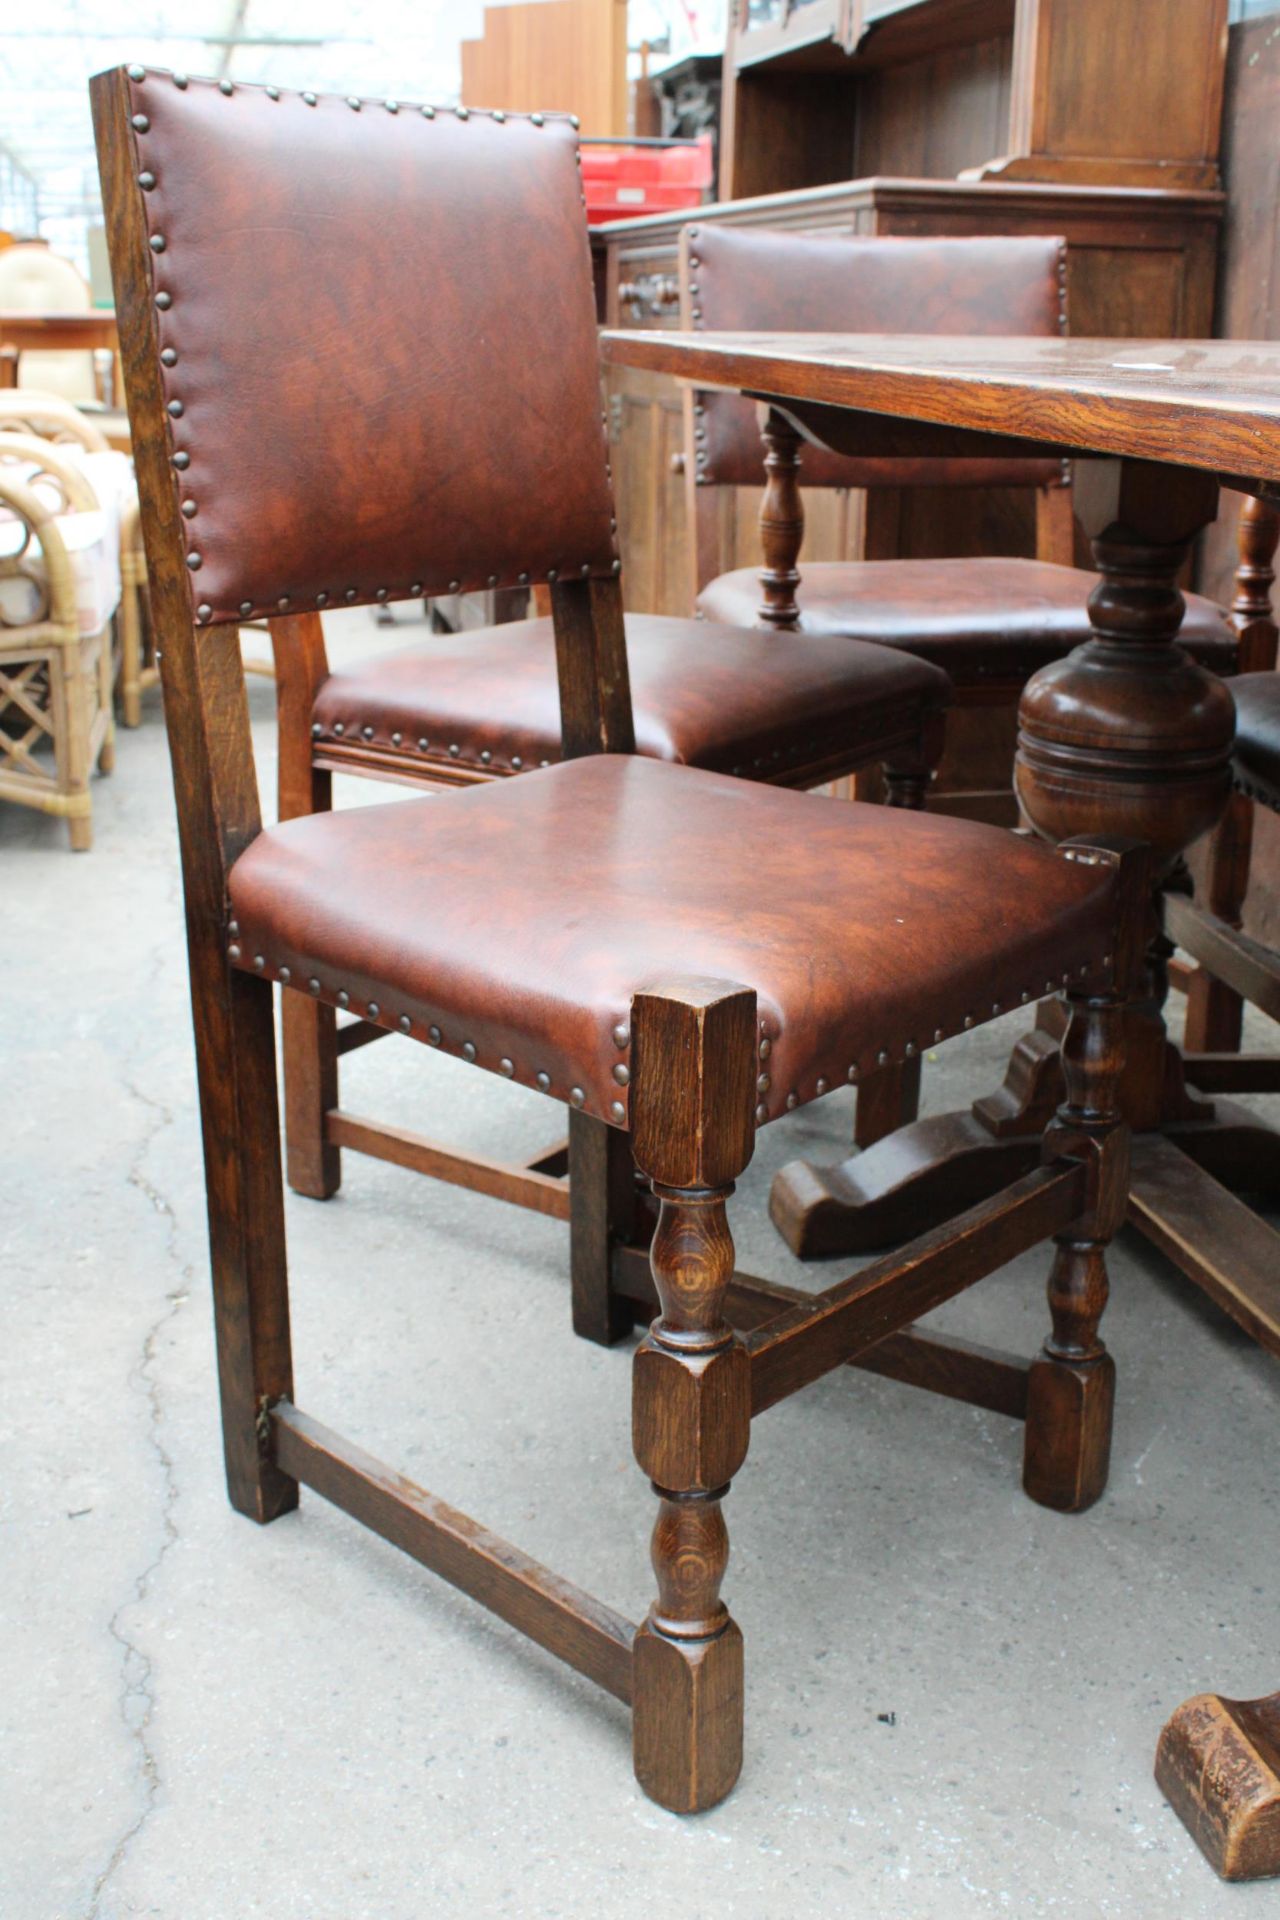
309,1032
235,1046
1071,1387
781,523
694,1081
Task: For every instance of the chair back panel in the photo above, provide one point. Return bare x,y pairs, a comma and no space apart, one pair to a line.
757,279
377,333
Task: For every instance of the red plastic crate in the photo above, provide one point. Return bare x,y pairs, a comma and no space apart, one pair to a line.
624,178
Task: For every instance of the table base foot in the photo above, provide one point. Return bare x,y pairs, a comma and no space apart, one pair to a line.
1218,1763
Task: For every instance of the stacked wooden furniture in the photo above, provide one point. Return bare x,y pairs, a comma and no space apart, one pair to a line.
940,117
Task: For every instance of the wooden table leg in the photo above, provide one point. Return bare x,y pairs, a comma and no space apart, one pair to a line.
1218,1763
1126,736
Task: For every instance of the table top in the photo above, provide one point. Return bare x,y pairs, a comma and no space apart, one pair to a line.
1213,404
17,322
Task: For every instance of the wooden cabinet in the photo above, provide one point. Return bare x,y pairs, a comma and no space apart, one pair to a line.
1115,92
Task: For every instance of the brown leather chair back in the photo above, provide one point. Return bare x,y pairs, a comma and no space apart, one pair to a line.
378,336
757,279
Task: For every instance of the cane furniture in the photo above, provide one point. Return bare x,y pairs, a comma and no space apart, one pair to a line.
679,955
990,622
58,595
56,419
1126,733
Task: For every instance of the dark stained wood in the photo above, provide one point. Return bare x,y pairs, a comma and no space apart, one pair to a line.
603,1213
1252,969
693,1131
1214,1238
781,524
354,1034
207,716
918,1357
1218,1764
1233,1072
523,1187
559,1616
591,659
799,1347
1214,405
890,1098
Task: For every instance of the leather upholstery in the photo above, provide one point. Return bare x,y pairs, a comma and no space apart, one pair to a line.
756,279
1256,760
387,317
750,702
981,619
513,921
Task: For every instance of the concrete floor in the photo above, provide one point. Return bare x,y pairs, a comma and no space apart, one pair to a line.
953,1696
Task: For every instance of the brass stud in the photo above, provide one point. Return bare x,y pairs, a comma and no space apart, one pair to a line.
175,409
622,1075
468,1050
353,103
190,509
938,1036
820,1086
259,962
164,301
1024,996
463,113
454,750
485,756
428,113
516,763
283,603
225,86
181,82
852,1076
617,1111
766,1047
137,73
616,567
168,356
310,99
313,985
882,1058
285,976
392,106
195,561
433,1035
156,243
316,730
763,1083
506,1067
396,739
344,999
246,606
204,611
574,121
536,119
233,953
416,588
273,93
543,1082
367,732
339,727
146,181
995,1007
233,928
381,594
621,1033
350,594
423,745
522,579
577,1098
404,1023
762,1114
792,1102
909,1052
140,123
585,569
499,115
454,586
493,580
182,461
968,1021
322,599
373,1010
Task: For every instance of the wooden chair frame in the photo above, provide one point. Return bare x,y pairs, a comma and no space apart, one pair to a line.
699,1379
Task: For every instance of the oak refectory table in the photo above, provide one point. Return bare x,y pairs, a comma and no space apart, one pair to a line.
1125,736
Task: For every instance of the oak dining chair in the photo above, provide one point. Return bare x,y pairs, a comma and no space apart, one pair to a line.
680,955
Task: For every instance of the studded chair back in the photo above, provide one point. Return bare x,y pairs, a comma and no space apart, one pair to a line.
377,335
754,279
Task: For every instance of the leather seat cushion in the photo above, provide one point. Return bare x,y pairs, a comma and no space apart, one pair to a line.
1256,760
519,917
981,619
747,702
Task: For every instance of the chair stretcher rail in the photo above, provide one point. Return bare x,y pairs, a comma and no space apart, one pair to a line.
558,1615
